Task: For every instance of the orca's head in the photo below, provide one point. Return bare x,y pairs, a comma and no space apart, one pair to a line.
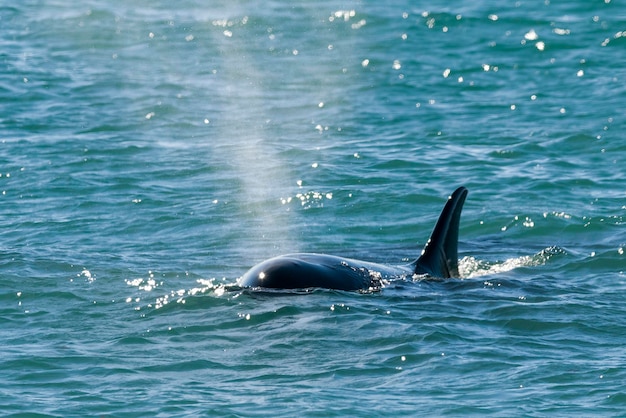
278,273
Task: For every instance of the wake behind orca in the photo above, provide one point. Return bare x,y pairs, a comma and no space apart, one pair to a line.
439,259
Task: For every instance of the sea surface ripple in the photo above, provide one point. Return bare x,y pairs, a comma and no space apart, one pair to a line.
151,152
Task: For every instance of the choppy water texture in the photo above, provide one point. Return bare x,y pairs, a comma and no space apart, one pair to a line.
151,152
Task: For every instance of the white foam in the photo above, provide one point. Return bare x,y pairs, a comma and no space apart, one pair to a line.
470,267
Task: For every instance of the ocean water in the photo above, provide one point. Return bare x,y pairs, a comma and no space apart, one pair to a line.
151,152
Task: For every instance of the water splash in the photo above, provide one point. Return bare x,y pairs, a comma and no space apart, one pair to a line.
211,287
176,296
308,199
471,267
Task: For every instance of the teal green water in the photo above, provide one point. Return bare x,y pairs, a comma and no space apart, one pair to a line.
151,153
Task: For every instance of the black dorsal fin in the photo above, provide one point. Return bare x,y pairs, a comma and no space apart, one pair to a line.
440,256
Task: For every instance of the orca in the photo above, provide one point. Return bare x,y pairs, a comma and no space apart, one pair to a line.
439,259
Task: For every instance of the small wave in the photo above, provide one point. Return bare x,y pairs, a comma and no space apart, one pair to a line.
471,267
